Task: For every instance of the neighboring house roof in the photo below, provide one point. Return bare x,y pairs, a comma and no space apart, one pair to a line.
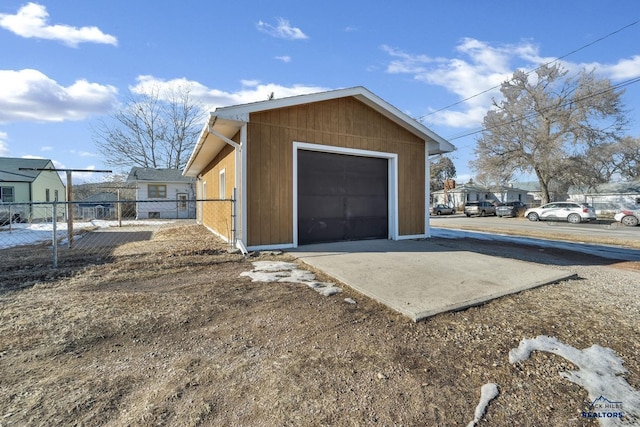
157,175
466,188
631,187
225,122
103,197
10,169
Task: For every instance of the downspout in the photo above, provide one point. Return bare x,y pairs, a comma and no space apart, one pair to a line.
427,186
238,152
243,188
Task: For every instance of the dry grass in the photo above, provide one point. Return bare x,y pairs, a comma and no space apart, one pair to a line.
169,334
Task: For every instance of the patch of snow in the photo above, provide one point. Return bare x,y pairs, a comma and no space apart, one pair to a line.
488,392
280,271
599,372
29,234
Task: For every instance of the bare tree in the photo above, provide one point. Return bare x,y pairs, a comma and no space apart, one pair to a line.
551,125
627,158
442,168
156,128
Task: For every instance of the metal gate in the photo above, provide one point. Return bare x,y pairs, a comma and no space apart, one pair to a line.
341,197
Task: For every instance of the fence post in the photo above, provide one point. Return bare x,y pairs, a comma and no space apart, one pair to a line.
54,238
10,218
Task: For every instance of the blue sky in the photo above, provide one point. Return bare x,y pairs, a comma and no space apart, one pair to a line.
66,64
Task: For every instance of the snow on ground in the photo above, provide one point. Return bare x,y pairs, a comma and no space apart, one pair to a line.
599,372
28,234
488,392
280,271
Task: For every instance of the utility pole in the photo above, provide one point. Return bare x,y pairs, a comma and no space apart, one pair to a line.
69,193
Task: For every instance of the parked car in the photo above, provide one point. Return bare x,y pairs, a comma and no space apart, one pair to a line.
510,208
628,217
442,210
562,211
483,208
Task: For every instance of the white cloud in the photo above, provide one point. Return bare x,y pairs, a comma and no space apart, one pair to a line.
475,75
31,22
624,69
29,95
84,154
282,30
284,58
4,146
251,91
46,148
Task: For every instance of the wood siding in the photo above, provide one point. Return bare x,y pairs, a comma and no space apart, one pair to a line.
216,215
343,122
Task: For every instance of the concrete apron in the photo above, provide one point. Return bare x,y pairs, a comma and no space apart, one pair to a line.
420,278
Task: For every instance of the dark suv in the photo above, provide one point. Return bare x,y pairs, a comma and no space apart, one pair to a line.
479,208
511,208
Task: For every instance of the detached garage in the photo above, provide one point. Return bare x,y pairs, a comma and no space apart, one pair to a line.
330,166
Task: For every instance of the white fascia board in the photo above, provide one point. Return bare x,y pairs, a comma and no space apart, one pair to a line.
196,149
242,112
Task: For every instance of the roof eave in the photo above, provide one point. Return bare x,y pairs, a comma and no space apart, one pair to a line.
209,145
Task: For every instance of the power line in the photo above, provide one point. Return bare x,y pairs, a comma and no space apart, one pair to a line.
531,71
535,113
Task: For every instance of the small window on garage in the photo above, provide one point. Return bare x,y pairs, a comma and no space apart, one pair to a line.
222,184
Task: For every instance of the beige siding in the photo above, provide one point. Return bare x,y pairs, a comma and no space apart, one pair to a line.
217,215
344,122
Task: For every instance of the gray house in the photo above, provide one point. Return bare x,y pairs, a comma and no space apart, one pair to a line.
101,205
607,199
163,193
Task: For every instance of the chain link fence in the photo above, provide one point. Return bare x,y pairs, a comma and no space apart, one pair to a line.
56,233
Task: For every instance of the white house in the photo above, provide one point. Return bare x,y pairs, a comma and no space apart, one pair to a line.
463,193
163,193
608,198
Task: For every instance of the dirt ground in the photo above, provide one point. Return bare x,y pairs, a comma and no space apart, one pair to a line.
166,332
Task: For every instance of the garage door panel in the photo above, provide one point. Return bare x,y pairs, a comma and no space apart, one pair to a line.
320,207
341,197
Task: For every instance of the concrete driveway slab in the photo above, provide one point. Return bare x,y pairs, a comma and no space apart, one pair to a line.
421,278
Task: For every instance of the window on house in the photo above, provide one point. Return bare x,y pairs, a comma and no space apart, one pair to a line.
222,184
182,202
156,191
47,195
55,195
6,194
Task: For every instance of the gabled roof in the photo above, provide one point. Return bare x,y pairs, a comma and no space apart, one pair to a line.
157,175
10,169
467,188
629,187
227,121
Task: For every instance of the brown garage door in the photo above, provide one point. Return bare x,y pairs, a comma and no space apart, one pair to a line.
341,197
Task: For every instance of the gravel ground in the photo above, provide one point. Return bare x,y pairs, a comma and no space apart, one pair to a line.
167,332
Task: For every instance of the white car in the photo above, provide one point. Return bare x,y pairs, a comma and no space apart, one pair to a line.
562,211
628,217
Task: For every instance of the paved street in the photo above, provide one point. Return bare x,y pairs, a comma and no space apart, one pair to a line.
604,230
